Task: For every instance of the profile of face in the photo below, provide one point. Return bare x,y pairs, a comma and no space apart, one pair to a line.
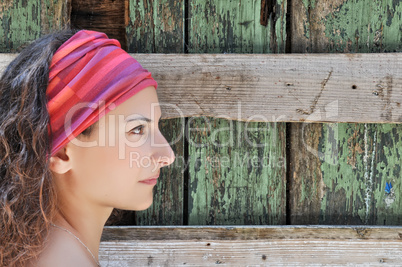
116,165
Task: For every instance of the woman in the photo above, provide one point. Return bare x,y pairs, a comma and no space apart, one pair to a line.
78,137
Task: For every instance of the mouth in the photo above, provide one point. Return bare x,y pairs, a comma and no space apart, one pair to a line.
151,180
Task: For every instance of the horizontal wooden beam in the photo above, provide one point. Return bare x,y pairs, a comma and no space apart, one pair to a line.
286,87
250,245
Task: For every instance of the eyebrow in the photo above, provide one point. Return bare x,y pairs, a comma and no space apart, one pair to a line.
138,118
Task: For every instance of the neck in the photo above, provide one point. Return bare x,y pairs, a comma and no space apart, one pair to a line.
87,226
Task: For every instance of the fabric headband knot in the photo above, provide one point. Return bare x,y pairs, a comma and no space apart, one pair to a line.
88,73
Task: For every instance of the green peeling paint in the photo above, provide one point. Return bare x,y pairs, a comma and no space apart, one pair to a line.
357,165
232,180
355,160
234,26
156,26
365,26
23,21
20,23
309,4
237,183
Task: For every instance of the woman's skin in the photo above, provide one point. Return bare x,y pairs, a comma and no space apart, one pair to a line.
91,181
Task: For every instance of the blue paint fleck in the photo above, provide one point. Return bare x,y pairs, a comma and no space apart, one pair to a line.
388,187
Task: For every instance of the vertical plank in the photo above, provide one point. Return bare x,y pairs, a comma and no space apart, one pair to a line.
157,27
320,26
234,27
236,172
108,16
237,169
23,21
338,172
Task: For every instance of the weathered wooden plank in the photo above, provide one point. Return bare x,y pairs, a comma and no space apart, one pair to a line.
302,246
255,232
238,182
346,26
158,27
338,172
251,253
24,21
234,27
299,87
355,162
108,16
237,172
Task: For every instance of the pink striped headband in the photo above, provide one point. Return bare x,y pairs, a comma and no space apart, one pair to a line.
88,73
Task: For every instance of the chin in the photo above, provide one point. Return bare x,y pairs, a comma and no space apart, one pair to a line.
135,203
145,204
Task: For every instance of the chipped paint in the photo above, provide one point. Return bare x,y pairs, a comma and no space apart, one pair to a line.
39,17
233,27
360,159
231,180
369,26
156,26
15,32
351,185
228,184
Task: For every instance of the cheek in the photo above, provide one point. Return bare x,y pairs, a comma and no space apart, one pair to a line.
140,160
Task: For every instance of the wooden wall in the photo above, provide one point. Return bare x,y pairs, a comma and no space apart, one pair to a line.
306,173
343,181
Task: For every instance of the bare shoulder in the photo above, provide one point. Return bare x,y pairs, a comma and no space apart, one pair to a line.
63,251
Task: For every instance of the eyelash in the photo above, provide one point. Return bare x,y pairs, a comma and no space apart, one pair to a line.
141,127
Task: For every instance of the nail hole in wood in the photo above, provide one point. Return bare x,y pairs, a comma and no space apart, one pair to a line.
354,86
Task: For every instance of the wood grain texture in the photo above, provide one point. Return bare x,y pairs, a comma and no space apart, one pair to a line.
237,172
108,16
299,87
234,27
255,232
158,27
24,21
254,253
323,26
206,246
237,182
338,172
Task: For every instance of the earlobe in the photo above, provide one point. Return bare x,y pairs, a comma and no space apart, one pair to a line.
60,163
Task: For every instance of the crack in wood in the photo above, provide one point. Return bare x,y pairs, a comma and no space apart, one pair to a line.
313,106
361,232
199,105
267,9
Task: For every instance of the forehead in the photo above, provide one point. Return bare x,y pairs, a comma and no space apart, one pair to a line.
143,103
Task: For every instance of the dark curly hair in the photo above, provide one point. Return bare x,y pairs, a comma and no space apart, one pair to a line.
27,196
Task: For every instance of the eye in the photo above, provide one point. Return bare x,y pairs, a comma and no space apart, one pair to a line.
138,130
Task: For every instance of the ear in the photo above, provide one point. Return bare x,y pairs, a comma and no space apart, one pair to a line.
60,163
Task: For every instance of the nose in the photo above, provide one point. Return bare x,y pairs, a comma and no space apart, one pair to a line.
163,153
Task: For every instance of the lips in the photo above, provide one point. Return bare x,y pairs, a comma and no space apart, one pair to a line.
151,180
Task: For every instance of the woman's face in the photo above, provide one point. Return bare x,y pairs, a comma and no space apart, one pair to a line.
125,149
